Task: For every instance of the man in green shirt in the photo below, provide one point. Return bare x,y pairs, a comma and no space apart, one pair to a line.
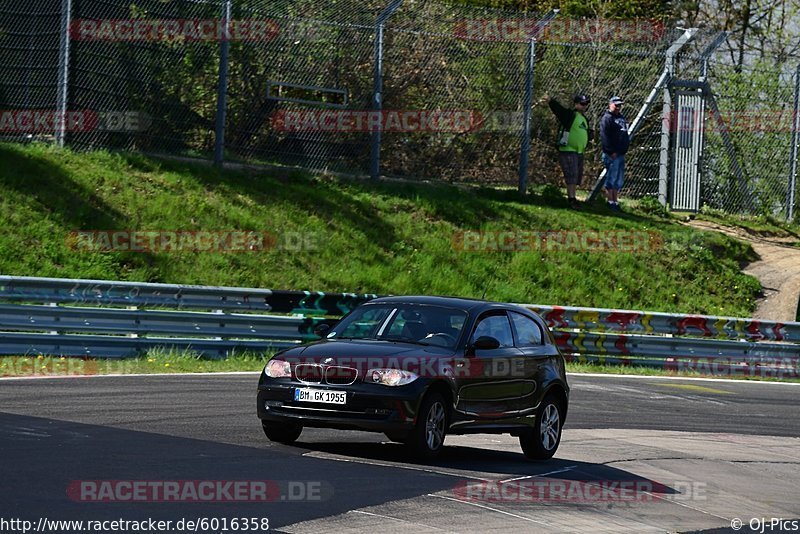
573,136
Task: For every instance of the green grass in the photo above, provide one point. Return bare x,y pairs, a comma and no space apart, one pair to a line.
388,237
154,362
760,225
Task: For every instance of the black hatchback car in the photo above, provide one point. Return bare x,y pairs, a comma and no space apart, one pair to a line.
419,368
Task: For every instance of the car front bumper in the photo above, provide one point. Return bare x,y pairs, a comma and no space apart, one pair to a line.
371,407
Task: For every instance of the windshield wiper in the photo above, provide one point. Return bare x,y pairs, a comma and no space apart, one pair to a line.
406,340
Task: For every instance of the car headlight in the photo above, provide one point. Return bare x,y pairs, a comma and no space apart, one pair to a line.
391,377
278,369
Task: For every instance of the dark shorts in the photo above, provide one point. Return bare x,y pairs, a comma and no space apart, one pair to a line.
572,165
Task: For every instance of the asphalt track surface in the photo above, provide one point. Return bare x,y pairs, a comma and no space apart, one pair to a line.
702,453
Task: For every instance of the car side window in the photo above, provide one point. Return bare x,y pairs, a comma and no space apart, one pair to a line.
529,334
496,326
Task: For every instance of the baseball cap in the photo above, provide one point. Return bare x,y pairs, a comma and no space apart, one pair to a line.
616,100
580,98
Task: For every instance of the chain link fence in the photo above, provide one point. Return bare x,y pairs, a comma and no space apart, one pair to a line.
29,40
149,91
461,90
751,174
311,47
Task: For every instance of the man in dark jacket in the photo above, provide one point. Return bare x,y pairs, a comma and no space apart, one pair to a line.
615,139
573,136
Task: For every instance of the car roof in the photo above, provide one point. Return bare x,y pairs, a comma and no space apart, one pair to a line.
451,302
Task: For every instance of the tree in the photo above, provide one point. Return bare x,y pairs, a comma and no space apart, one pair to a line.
758,29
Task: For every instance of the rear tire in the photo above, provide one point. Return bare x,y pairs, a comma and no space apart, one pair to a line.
426,440
541,441
281,432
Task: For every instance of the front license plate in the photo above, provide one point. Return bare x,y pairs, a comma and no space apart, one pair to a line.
320,395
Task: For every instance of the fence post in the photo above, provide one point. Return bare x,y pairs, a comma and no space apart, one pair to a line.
222,87
793,153
527,104
377,88
63,72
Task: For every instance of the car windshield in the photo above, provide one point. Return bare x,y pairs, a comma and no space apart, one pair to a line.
411,323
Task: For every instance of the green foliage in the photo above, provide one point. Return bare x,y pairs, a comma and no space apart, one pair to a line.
759,225
651,206
626,9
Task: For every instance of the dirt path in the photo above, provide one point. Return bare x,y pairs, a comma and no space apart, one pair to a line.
778,270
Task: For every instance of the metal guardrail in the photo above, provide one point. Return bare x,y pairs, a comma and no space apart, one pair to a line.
72,323
633,321
711,344
179,297
78,318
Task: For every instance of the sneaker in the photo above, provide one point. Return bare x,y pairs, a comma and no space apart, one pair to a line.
616,207
574,204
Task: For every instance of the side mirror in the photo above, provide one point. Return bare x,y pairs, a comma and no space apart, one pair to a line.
322,329
486,343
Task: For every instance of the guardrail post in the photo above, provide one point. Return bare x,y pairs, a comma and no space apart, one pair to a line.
527,103
222,86
377,88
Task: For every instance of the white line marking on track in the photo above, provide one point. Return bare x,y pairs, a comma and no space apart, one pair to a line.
489,508
687,506
120,375
394,518
564,470
689,378
337,458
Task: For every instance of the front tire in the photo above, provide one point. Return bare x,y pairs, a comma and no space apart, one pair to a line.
281,432
426,440
541,442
